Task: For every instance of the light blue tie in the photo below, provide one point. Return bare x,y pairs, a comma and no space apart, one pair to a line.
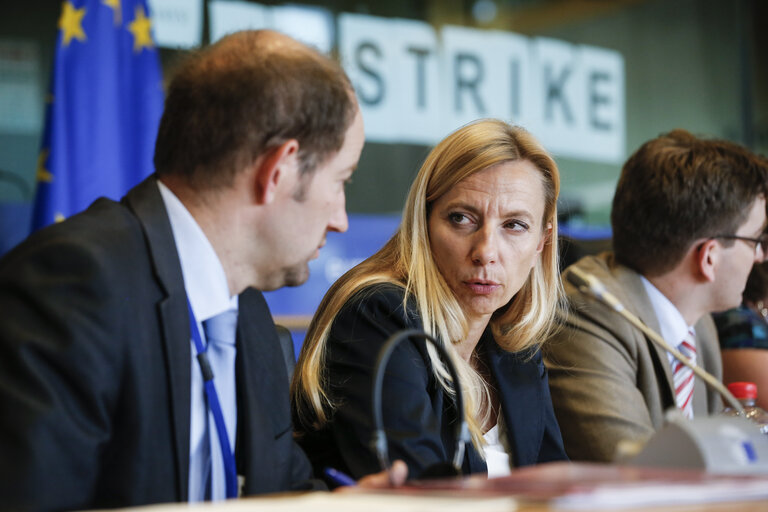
220,338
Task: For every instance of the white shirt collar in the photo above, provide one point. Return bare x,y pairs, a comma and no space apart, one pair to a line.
204,277
671,322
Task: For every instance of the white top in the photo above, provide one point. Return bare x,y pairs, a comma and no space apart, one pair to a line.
206,285
496,457
671,322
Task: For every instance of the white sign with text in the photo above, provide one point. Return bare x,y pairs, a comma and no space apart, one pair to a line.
415,87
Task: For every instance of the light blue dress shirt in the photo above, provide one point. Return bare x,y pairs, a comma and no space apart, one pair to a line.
206,286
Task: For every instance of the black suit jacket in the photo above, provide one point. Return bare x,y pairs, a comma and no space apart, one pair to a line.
95,365
418,418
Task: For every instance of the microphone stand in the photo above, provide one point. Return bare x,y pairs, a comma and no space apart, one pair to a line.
589,284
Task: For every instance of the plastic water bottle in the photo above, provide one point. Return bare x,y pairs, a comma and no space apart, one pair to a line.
746,393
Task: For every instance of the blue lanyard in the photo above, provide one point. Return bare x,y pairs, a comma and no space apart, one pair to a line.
230,470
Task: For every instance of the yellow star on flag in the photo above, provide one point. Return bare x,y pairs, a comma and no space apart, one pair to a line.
71,23
115,5
140,28
42,173
58,217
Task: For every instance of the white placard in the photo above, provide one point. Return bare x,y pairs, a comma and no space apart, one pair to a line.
310,25
415,85
581,103
485,74
605,121
177,23
414,88
227,16
393,65
416,82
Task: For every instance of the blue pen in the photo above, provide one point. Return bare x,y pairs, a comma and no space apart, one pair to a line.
339,478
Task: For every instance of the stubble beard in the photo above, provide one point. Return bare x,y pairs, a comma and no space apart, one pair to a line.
296,275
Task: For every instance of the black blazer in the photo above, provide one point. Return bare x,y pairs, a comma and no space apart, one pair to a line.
418,418
95,368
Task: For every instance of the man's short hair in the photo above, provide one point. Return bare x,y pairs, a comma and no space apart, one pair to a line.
676,189
251,91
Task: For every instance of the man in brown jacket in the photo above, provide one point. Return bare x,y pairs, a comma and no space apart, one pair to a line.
688,220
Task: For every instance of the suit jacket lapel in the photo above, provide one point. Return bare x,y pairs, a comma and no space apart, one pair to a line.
262,396
636,299
633,295
705,400
147,204
520,394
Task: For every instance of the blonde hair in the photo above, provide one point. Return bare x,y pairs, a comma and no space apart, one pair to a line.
406,260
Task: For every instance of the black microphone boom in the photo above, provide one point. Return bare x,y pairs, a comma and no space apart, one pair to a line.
379,441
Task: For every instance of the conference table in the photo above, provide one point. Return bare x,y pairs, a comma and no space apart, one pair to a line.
554,486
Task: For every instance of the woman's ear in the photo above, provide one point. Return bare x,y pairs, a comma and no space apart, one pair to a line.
275,167
546,236
707,257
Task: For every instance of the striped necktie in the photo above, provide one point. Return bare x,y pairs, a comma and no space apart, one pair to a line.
683,376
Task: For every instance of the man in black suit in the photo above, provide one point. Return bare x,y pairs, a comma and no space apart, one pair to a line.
101,396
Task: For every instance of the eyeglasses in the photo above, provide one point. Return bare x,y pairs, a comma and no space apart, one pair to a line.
761,244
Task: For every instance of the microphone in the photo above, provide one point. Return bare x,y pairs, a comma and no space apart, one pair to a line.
379,440
590,285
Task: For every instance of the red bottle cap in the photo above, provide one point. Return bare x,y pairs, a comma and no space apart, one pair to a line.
743,390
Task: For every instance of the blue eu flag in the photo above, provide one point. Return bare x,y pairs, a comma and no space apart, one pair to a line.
104,108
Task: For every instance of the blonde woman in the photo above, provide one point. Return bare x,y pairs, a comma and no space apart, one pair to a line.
474,264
